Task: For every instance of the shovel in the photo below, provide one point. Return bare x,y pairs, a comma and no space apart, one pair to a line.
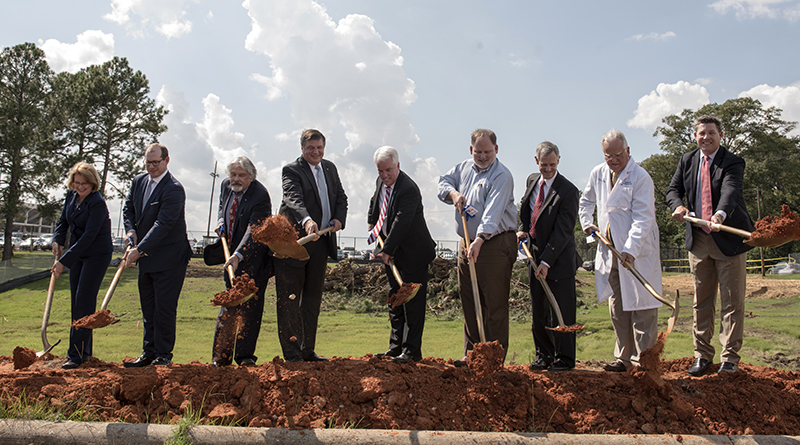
674,306
229,269
46,318
473,275
101,318
407,291
561,326
295,249
758,242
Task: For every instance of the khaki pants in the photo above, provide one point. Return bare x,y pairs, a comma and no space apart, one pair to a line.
636,331
711,270
495,261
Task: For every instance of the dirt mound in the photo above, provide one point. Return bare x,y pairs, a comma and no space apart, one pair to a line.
366,392
785,226
99,319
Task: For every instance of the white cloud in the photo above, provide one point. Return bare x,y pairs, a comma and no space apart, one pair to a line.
785,98
665,100
167,17
93,47
653,36
342,78
752,9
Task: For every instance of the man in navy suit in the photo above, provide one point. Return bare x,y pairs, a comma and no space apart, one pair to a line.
409,244
710,179
243,202
155,221
313,198
550,202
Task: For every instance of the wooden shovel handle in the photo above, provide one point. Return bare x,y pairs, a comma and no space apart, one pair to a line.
724,228
114,282
546,288
395,272
308,238
227,256
473,275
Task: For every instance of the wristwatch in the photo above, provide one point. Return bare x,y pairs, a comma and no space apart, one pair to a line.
483,237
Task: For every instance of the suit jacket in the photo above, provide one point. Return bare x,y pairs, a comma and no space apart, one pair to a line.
160,223
555,226
90,227
301,197
254,206
727,178
408,239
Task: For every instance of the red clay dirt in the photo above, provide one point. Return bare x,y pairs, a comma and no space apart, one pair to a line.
432,394
243,286
402,294
785,226
97,320
272,229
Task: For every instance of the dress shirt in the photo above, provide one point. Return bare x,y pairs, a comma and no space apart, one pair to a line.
489,191
699,195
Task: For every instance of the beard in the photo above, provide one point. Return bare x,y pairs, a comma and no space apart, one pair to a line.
236,186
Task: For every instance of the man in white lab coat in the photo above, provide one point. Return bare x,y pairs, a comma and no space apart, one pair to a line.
623,194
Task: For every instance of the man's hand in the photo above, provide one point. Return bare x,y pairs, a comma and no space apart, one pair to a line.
219,229
58,250
458,200
520,237
311,227
475,249
541,271
57,269
233,261
337,225
385,257
627,260
679,213
131,257
716,219
590,229
132,235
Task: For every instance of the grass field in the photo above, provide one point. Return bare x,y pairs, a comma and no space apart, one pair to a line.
772,330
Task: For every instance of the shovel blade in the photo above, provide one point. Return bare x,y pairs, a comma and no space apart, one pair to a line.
292,249
47,349
768,242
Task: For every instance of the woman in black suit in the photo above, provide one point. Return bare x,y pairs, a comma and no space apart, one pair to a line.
85,214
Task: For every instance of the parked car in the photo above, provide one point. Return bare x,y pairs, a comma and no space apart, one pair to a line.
785,268
46,241
118,243
23,244
447,254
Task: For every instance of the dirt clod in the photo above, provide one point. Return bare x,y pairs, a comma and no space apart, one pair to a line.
243,286
785,226
272,229
99,319
23,357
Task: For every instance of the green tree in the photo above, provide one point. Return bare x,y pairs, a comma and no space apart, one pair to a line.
750,130
27,142
111,118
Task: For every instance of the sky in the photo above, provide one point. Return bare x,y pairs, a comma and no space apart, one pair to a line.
245,78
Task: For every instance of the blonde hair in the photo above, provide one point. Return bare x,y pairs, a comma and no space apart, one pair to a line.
88,172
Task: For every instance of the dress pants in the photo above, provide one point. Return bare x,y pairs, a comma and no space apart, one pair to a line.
408,320
552,345
158,295
85,278
494,265
636,331
298,285
712,269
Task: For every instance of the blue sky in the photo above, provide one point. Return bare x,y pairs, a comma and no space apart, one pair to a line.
246,78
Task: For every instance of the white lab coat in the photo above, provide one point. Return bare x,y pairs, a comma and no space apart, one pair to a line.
630,209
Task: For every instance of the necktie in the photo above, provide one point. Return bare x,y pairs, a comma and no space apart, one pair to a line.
232,214
373,234
537,207
323,197
149,190
608,228
705,191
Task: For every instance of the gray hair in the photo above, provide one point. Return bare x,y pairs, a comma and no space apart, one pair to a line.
245,163
613,135
386,152
545,148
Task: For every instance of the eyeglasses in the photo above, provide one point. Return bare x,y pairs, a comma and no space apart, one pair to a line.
80,184
153,163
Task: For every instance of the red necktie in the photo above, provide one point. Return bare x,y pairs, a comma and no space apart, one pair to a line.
537,207
232,214
373,235
705,191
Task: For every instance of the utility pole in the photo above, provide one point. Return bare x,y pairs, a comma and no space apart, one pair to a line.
214,176
758,200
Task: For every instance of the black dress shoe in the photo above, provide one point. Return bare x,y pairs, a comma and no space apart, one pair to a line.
724,367
70,365
615,366
559,366
460,363
541,364
405,358
219,363
699,367
387,354
140,362
247,362
313,357
161,361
